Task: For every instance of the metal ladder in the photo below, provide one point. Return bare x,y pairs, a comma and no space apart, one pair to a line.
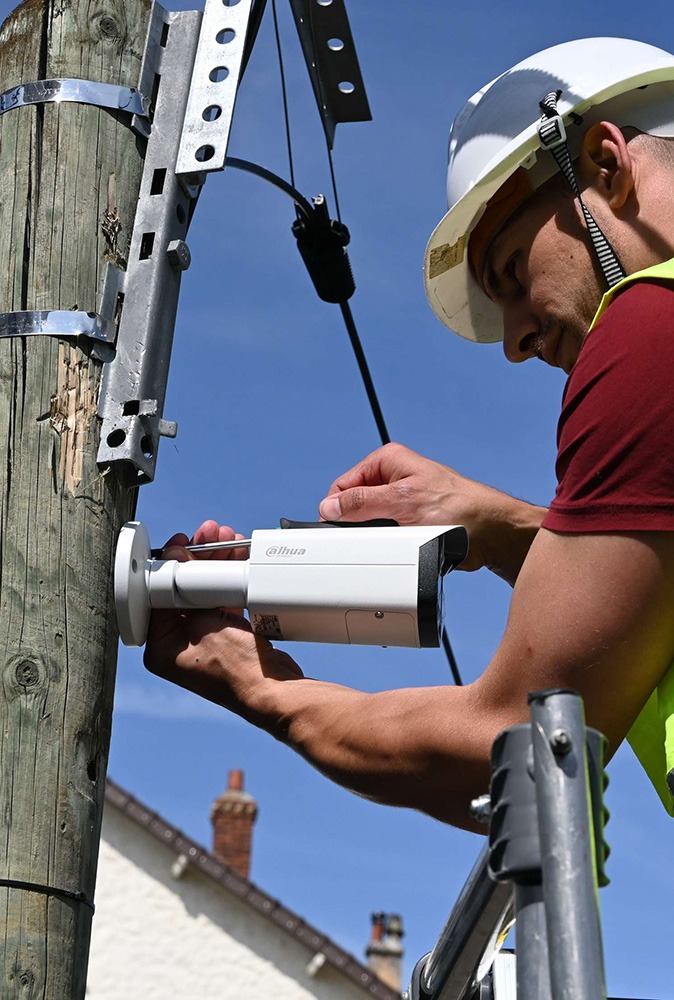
541,869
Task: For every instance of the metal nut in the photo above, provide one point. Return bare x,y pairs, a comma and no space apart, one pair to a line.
179,255
560,742
480,808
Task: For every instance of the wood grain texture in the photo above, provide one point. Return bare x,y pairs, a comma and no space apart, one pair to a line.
65,171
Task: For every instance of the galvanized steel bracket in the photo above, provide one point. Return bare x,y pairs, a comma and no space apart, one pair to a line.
192,65
213,89
134,384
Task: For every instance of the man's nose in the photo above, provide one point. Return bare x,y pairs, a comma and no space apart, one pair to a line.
521,333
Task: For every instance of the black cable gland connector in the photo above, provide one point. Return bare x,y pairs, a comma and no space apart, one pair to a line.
321,242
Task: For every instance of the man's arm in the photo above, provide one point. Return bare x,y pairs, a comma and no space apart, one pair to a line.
397,483
591,612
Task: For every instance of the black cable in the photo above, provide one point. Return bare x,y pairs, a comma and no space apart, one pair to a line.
284,92
334,181
305,207
451,659
365,372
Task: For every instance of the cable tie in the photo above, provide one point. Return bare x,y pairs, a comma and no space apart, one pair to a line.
48,890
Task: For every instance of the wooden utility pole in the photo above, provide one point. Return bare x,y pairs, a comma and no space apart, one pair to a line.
69,181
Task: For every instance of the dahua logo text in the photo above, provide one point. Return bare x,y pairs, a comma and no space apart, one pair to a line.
283,550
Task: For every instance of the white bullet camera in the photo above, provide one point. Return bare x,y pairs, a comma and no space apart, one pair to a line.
378,586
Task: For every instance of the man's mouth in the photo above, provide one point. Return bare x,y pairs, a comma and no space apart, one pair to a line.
546,346
551,346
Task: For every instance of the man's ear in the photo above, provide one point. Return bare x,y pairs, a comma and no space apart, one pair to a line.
605,164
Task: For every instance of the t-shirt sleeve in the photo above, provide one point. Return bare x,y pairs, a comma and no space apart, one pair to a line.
615,460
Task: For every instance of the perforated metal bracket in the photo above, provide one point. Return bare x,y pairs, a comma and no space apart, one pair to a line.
101,95
215,81
330,55
134,383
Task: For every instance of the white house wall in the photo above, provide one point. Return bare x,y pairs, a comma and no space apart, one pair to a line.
160,938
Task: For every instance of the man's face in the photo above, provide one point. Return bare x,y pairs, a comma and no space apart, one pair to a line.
539,270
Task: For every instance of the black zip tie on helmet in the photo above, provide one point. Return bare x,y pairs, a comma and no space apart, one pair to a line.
552,134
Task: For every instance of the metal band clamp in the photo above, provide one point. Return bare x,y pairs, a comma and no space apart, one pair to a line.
102,95
61,323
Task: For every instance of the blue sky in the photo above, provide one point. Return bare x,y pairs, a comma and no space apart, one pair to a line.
271,410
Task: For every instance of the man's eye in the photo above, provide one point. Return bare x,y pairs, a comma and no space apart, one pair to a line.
510,271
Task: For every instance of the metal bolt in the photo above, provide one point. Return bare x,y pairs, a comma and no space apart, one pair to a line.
379,614
167,428
480,808
179,255
560,742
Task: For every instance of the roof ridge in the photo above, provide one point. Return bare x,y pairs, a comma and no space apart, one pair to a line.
247,891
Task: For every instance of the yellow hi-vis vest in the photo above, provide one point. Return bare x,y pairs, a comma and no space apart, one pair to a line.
652,735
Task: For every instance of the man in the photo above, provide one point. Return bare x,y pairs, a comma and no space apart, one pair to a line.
561,182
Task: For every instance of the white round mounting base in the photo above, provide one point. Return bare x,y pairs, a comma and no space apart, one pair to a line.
132,599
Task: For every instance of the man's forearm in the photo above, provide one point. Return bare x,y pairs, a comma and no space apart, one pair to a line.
417,747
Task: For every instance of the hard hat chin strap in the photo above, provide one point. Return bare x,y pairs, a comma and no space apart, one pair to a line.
552,134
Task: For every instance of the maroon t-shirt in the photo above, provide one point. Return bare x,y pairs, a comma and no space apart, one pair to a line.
615,438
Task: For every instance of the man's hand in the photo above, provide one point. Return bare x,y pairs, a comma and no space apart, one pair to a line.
214,653
397,483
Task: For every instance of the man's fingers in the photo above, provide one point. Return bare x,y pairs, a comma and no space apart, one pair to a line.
199,623
240,553
177,552
177,540
206,533
385,465
361,504
211,531
164,623
175,548
234,617
368,472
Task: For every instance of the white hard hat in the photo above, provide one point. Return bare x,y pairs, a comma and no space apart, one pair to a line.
496,132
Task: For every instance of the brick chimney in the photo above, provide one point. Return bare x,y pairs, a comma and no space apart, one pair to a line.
232,816
385,951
